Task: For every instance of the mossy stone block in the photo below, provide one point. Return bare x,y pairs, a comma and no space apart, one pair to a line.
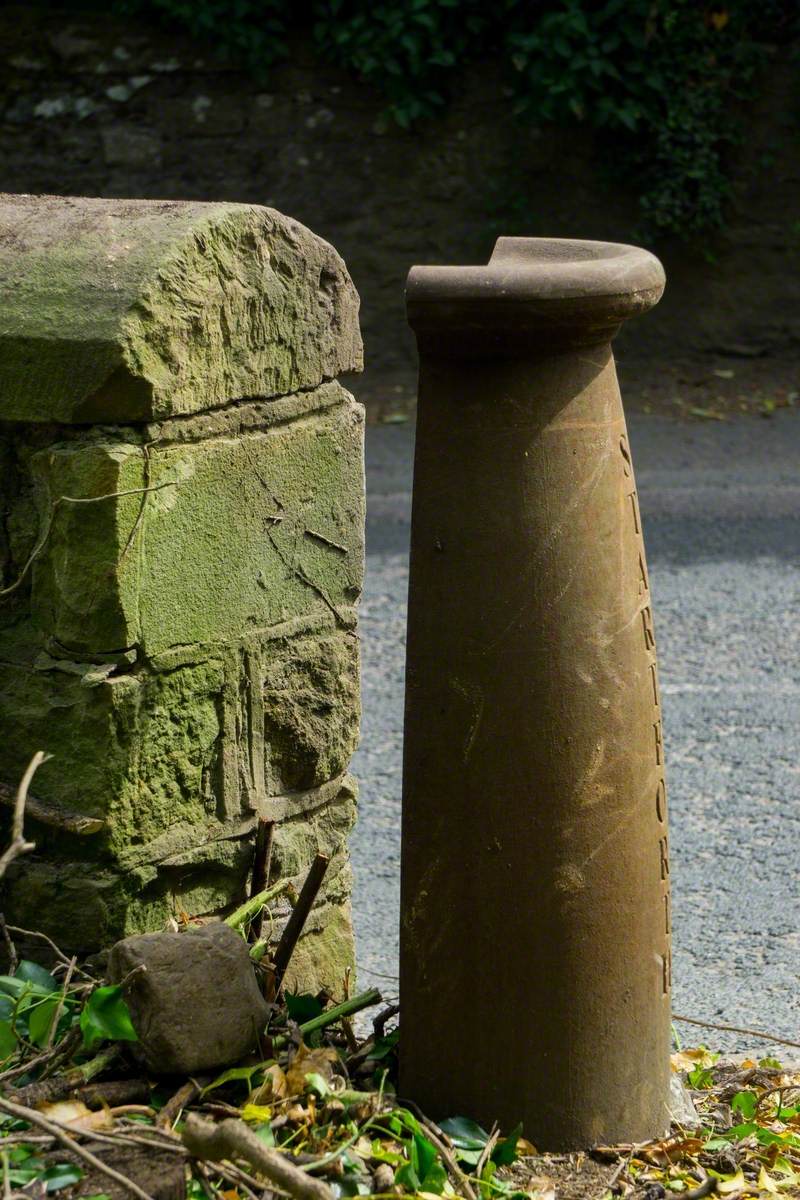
311,709
234,534
137,750
119,310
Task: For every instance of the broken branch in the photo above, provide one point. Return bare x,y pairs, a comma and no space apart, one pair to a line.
262,860
766,1037
298,918
18,844
232,1139
61,1133
45,815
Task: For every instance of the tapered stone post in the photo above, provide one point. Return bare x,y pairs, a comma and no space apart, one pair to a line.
535,942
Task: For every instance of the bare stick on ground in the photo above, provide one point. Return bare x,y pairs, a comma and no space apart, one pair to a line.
298,918
18,843
56,1130
756,1033
177,1102
262,861
232,1139
51,1036
46,1091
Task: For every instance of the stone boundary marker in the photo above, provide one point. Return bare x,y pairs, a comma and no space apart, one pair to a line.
535,936
182,494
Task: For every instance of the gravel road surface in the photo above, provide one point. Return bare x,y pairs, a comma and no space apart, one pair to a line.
720,504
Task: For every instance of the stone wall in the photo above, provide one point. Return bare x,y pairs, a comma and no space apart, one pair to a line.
182,554
116,109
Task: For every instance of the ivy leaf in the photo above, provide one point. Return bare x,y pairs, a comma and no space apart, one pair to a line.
106,1016
435,1180
41,1018
11,986
746,1103
505,1151
31,972
464,1134
8,1040
60,1176
701,1077
423,1156
406,1177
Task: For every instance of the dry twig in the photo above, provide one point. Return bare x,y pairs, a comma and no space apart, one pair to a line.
299,916
60,1006
66,1136
59,953
232,1139
47,1091
11,949
487,1151
177,1102
756,1033
18,844
262,861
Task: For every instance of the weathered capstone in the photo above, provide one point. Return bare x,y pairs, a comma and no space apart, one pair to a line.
181,482
535,939
193,997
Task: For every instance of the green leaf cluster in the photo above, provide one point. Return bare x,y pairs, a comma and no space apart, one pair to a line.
658,78
105,1017
29,1002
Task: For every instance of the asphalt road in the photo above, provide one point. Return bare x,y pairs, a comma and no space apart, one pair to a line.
720,505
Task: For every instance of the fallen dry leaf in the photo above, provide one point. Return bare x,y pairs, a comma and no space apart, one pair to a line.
273,1088
309,1062
75,1114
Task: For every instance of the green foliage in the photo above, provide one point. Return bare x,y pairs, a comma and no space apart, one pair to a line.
405,50
655,78
29,1001
659,78
105,1015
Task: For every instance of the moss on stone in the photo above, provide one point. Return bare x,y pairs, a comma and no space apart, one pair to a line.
119,310
311,709
322,958
184,642
236,534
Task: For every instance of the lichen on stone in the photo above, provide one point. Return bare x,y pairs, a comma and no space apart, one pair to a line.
182,551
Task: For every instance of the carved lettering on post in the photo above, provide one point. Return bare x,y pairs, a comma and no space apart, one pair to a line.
663,850
661,801
644,586
635,510
643,597
654,680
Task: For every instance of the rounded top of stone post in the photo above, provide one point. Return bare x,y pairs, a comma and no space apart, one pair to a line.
534,294
130,310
